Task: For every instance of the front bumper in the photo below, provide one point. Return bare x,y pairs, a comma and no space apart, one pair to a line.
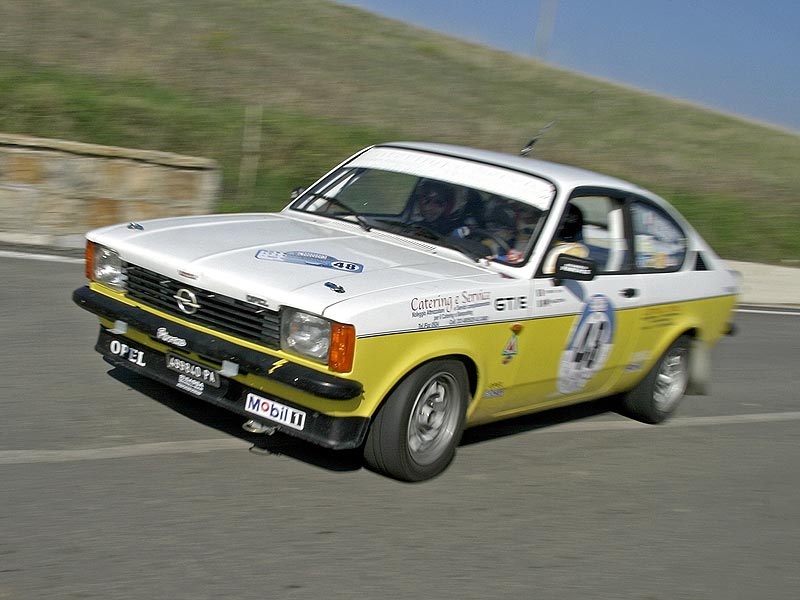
318,428
305,379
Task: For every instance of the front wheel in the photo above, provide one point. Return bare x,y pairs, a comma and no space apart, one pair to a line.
657,396
415,433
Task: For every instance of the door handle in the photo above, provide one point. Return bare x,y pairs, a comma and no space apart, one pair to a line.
629,292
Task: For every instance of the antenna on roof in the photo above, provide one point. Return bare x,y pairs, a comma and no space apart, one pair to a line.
529,146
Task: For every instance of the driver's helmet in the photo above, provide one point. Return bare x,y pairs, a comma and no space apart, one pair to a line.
572,227
435,192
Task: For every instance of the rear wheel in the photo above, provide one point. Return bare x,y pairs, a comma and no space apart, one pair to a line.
657,396
415,433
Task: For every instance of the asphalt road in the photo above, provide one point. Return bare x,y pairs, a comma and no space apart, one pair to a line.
112,492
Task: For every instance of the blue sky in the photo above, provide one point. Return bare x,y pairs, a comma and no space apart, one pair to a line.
737,56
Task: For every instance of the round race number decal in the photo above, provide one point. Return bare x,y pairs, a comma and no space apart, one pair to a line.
589,345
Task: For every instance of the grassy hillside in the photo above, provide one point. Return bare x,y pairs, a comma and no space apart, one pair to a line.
178,76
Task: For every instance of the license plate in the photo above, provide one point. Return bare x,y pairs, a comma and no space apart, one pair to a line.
191,369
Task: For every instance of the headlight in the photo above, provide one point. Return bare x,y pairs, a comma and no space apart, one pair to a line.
305,334
105,266
319,339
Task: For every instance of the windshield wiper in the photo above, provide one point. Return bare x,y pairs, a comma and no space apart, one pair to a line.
417,230
349,212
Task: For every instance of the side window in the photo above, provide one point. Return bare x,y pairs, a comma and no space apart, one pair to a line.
592,227
659,243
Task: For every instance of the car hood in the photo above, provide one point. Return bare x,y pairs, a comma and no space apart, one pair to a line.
279,259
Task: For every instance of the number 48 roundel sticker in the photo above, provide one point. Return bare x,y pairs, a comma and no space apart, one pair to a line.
589,345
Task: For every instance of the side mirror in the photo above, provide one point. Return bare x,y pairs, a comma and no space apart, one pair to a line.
297,192
574,268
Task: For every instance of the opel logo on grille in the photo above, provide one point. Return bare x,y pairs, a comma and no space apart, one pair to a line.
187,301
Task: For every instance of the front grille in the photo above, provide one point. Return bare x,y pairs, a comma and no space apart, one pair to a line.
217,312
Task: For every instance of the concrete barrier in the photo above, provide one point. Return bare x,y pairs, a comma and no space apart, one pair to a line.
53,191
768,285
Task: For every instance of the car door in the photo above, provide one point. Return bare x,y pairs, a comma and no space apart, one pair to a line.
582,332
659,252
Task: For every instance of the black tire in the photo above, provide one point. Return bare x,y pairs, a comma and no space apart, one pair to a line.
657,395
415,433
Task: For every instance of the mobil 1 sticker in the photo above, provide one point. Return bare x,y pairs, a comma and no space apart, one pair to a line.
275,411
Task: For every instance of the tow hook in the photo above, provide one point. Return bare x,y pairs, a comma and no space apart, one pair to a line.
253,426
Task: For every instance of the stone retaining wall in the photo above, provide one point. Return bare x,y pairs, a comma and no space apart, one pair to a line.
53,191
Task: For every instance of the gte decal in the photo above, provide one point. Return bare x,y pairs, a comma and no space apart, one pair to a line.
511,303
589,345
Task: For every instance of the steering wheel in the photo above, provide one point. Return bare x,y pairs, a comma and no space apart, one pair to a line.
485,233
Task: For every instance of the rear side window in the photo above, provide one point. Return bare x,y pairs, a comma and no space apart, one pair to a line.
659,242
598,221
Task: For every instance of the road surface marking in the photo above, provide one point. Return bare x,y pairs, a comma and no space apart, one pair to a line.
27,457
753,311
42,257
19,457
582,426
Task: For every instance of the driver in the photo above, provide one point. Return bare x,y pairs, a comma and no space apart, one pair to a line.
434,201
569,239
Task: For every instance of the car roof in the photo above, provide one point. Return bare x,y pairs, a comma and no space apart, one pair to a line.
562,175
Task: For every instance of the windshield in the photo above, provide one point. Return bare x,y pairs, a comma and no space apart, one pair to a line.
480,223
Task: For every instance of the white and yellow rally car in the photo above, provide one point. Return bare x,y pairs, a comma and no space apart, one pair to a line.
413,291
